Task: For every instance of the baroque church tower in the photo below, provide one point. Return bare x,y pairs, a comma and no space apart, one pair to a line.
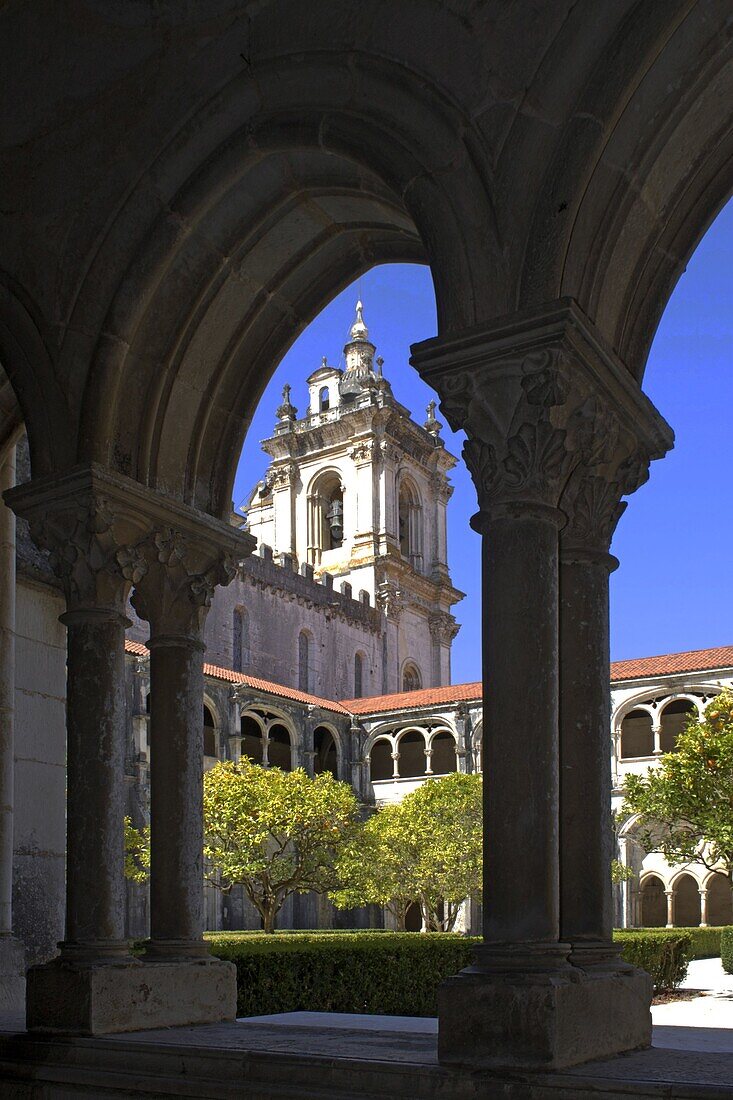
356,489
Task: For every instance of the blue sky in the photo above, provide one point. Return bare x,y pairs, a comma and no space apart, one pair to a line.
672,590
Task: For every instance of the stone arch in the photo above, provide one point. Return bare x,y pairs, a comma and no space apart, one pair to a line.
673,718
281,745
252,732
443,747
411,743
686,891
381,764
410,520
211,728
201,282
634,176
411,677
325,501
719,899
637,736
653,901
327,750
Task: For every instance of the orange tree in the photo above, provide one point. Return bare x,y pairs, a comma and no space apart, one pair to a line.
685,804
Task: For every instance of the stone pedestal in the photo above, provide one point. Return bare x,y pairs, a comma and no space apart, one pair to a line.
86,998
541,1021
12,975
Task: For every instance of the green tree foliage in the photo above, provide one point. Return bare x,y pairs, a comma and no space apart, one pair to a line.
685,804
137,852
426,850
275,833
620,872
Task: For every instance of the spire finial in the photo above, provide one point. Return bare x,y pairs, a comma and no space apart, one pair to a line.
359,331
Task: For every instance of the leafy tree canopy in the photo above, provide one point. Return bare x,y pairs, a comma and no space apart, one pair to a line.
685,804
275,833
137,852
427,849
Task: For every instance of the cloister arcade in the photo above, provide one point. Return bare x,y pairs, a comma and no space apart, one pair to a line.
688,899
412,752
185,186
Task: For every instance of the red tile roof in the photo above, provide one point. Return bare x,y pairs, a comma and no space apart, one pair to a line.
217,673
407,700
693,660
696,660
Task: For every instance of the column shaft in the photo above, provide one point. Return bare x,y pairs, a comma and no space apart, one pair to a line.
520,663
7,694
95,719
176,796
586,839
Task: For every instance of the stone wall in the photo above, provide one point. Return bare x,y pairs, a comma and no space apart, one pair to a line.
40,769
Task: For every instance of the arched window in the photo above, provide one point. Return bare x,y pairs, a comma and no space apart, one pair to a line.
326,758
279,750
410,524
411,679
358,676
443,759
240,639
686,902
209,733
304,661
653,903
720,900
637,738
324,399
251,744
675,717
325,516
412,762
381,765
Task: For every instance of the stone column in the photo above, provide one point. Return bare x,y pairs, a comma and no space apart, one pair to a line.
174,597
617,463
89,541
669,894
703,908
531,394
103,534
12,954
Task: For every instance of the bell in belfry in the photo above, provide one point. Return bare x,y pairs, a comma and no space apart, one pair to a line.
335,517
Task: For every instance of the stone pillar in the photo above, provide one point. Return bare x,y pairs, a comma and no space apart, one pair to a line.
89,544
703,908
669,894
617,463
103,534
12,954
174,596
532,395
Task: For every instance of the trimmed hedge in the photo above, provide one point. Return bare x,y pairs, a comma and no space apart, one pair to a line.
726,950
705,941
387,973
663,952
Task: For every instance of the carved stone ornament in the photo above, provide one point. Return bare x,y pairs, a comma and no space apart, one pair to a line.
545,405
362,452
83,539
182,574
281,477
443,627
389,600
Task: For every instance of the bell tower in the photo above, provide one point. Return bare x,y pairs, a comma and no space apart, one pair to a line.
356,488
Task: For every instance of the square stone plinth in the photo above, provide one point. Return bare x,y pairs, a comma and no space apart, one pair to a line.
12,976
98,999
497,1021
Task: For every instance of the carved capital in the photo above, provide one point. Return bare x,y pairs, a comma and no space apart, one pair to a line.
592,500
282,477
362,452
545,403
389,600
90,541
182,574
443,627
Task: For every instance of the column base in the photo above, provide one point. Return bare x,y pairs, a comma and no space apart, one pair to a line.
12,975
99,998
509,1018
